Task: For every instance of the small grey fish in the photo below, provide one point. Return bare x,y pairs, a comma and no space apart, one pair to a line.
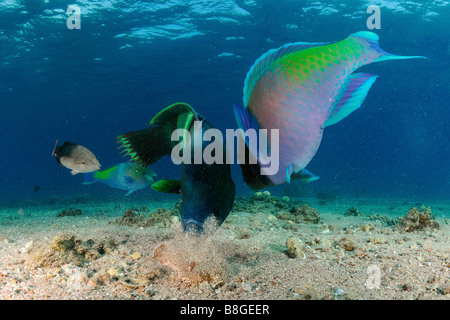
75,157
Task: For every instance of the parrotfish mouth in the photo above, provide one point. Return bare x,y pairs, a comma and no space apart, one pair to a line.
192,226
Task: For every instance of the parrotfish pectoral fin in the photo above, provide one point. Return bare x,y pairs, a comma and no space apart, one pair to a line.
167,186
265,62
305,176
128,193
371,41
357,87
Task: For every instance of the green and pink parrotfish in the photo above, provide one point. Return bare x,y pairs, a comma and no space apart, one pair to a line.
124,176
301,88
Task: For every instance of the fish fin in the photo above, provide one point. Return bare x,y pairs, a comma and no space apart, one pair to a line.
128,193
89,178
167,186
55,149
305,176
370,40
263,63
147,146
245,121
74,172
288,177
357,87
150,173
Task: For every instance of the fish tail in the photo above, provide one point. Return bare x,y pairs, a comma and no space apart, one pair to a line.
370,41
147,146
89,178
137,145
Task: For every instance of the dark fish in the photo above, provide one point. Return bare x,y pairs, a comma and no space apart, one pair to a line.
75,157
36,188
206,189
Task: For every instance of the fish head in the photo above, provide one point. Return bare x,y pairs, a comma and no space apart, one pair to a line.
191,226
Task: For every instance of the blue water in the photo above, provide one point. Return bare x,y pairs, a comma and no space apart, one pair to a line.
130,59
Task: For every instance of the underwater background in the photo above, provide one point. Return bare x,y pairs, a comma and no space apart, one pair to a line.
130,59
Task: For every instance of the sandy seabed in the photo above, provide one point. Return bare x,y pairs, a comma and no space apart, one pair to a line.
90,256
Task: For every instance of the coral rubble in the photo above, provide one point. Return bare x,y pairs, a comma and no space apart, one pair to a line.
71,212
417,219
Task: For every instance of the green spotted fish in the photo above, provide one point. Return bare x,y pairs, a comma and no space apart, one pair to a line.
301,88
124,176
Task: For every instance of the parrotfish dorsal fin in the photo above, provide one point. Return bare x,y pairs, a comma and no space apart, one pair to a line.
356,89
266,60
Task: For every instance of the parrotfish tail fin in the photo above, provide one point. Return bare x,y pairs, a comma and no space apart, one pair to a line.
167,186
370,40
305,176
89,178
356,89
263,63
147,146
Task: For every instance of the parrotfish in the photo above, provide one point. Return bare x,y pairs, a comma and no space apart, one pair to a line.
301,88
123,176
75,157
207,190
